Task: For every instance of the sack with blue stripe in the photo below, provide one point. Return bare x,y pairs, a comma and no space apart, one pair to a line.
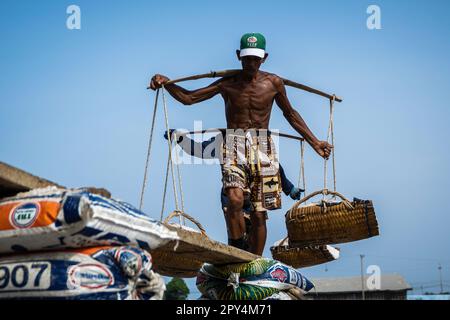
52,218
99,273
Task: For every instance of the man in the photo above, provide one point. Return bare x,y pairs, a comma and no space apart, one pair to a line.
248,98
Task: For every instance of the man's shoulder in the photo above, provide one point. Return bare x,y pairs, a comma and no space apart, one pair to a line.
226,80
272,77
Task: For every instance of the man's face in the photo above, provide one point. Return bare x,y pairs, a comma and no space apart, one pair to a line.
251,64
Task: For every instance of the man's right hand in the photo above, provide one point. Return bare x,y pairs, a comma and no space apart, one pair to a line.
157,81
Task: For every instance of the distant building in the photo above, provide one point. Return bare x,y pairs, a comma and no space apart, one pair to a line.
429,297
393,287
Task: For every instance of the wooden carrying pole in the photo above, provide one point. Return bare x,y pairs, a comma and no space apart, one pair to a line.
229,73
309,89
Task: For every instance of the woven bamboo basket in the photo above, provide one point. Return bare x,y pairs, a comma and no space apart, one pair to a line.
327,223
171,263
305,256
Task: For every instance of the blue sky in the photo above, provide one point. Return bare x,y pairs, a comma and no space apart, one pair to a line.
74,107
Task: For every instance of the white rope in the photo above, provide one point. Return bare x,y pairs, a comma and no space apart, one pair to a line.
301,177
179,181
169,143
332,141
169,160
330,133
144,183
165,187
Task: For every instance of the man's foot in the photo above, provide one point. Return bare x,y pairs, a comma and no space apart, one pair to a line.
239,243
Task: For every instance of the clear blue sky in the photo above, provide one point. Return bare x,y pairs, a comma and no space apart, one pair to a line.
74,108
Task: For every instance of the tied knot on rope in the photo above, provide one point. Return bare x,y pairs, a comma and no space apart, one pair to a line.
233,280
326,201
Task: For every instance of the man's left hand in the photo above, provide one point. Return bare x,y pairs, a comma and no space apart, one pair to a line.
323,148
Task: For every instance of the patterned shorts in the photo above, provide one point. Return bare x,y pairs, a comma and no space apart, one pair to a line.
251,164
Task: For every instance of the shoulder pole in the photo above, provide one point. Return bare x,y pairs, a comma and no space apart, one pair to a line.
229,73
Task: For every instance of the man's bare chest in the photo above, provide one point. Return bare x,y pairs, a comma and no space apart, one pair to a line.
251,95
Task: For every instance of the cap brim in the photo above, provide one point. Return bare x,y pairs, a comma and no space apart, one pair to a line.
252,52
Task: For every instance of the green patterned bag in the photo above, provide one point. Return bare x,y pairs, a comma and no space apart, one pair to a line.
256,280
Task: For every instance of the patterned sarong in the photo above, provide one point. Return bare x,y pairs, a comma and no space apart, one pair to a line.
250,163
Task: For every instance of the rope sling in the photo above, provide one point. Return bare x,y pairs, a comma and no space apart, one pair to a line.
180,210
301,176
310,255
149,149
330,222
330,133
324,191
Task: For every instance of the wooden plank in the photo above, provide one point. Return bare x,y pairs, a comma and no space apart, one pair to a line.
183,259
14,180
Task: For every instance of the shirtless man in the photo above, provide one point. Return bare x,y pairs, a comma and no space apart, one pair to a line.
248,98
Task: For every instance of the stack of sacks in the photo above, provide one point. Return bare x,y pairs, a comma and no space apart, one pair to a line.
61,219
51,218
260,279
108,273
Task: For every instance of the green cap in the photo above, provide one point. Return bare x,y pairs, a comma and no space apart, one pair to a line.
253,44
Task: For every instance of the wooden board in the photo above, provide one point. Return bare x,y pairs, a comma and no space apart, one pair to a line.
193,249
14,180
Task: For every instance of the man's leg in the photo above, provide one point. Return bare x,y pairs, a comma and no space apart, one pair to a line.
234,217
258,234
243,224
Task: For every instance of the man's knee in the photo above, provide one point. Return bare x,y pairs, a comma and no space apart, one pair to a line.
258,218
235,199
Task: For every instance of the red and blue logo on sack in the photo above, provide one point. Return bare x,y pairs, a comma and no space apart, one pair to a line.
280,274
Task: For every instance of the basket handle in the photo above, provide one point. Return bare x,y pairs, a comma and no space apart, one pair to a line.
185,215
324,192
285,241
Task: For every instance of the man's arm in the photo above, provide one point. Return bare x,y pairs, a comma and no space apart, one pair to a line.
194,148
186,97
286,184
288,187
323,148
